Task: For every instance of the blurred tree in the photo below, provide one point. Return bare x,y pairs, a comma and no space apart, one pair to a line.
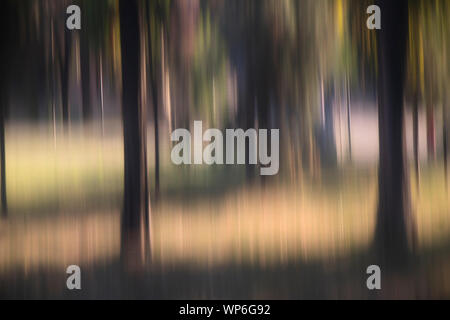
136,200
181,37
2,151
412,89
85,67
435,70
156,13
94,26
395,228
4,61
364,46
65,61
253,48
428,70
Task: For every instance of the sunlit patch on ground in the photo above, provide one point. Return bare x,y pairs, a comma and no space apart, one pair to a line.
317,220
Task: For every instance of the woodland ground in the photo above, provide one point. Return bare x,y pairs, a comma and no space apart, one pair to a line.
212,236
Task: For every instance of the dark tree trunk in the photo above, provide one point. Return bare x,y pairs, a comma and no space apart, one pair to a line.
329,154
155,116
395,226
85,75
247,112
65,75
416,139
154,90
349,118
6,28
2,152
431,135
444,141
135,206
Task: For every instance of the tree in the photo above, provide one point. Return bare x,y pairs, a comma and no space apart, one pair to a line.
92,39
136,200
4,63
395,226
85,73
65,66
2,152
154,10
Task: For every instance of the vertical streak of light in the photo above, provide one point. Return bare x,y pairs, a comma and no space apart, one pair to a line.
53,84
322,102
101,94
349,120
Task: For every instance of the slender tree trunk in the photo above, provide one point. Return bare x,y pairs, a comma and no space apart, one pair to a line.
2,153
328,150
65,75
431,136
4,65
349,118
416,139
154,89
395,226
249,117
431,131
85,75
444,141
102,111
135,206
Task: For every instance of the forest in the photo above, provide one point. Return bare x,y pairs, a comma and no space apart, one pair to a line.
341,158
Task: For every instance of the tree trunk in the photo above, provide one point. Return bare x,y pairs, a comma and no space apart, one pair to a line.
395,226
349,118
154,89
431,135
135,206
2,153
329,154
85,75
65,75
444,141
416,139
4,64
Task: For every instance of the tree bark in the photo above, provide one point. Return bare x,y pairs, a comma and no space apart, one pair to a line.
395,227
154,90
65,75
4,65
135,206
2,153
416,139
431,135
349,117
444,141
85,75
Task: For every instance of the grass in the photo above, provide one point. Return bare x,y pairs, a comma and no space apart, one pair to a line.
65,199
